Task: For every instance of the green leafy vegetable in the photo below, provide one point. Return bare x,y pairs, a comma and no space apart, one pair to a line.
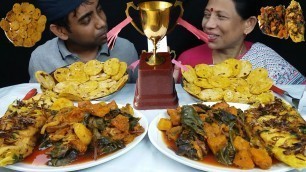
190,118
227,154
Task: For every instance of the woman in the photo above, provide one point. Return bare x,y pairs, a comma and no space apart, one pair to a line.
227,22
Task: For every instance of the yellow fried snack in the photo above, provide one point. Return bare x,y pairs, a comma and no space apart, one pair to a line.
256,75
98,93
203,70
119,84
62,86
122,71
77,66
239,85
223,69
77,75
71,96
192,88
261,86
106,84
14,25
213,94
89,86
16,8
219,81
246,68
265,97
100,77
203,82
28,42
111,66
36,14
187,88
24,24
5,25
235,64
93,67
45,79
61,74
61,103
190,74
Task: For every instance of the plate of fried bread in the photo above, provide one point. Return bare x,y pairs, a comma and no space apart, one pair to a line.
79,81
232,81
24,24
221,136
54,134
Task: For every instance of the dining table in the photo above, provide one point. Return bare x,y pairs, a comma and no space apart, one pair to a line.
144,157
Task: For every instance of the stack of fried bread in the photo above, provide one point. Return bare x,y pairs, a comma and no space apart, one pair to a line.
24,24
85,81
232,81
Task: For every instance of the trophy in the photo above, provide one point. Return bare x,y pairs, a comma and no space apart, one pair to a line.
155,87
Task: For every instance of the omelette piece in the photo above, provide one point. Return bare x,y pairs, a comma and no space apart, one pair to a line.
19,130
281,130
295,22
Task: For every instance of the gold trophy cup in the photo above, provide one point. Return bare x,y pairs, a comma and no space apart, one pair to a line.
155,88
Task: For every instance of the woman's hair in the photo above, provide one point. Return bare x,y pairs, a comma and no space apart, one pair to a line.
246,8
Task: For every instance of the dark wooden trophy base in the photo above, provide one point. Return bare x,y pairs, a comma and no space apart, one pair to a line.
155,87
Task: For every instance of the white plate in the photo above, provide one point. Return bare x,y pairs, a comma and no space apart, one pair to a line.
44,168
156,139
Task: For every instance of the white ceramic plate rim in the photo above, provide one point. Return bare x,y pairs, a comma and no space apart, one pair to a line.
44,168
156,139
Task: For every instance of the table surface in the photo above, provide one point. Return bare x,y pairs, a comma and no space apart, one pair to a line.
144,157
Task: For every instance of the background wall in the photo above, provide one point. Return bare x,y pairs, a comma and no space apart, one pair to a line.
14,60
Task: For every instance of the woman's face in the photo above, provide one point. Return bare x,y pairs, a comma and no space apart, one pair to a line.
225,28
88,25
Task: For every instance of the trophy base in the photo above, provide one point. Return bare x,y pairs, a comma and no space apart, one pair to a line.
155,87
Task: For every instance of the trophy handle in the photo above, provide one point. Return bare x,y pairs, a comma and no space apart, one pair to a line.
128,6
173,54
180,4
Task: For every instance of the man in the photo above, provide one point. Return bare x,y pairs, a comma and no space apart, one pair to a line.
81,30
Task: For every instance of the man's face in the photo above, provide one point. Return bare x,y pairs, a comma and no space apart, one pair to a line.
88,25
